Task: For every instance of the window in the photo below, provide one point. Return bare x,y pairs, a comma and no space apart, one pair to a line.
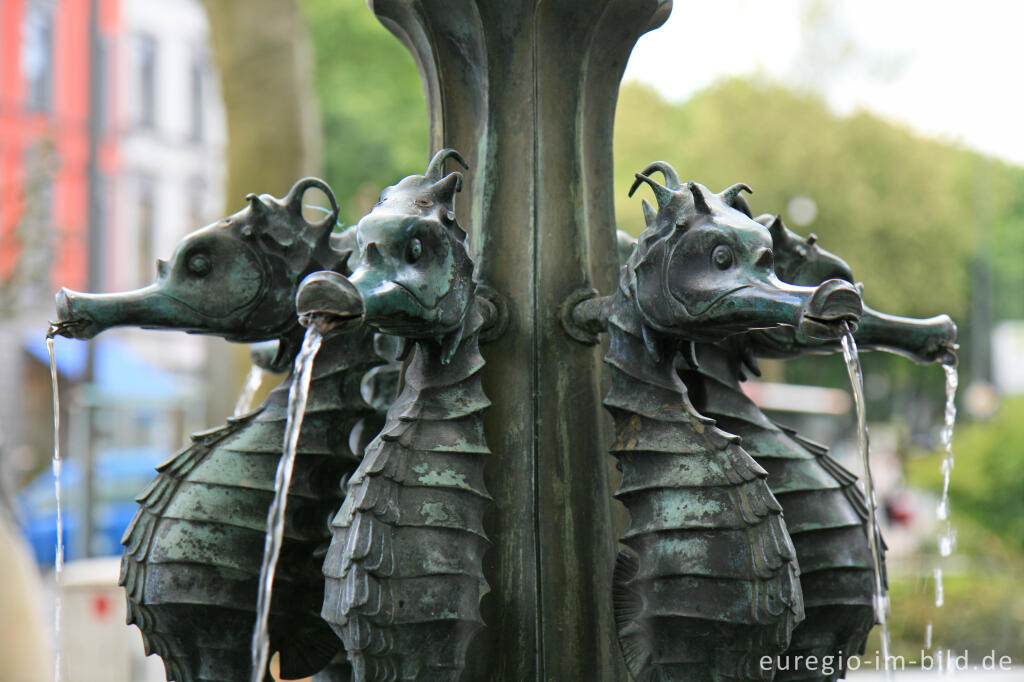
145,87
37,56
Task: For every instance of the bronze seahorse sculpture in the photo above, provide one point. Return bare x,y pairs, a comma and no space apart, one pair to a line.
193,550
708,586
828,531
825,511
404,571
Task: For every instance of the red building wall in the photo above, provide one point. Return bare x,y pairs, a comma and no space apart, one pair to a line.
65,127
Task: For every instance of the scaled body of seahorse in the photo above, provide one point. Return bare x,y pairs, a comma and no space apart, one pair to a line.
825,510
714,584
825,513
404,573
709,589
404,569
193,551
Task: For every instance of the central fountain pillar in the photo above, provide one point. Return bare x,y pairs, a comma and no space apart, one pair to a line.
526,90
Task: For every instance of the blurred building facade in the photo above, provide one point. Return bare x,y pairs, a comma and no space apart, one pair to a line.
157,174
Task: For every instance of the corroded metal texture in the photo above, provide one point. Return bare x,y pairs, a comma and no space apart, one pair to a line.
800,260
404,570
192,552
709,585
825,511
527,92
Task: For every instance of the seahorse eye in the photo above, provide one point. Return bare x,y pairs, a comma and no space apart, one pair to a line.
413,251
198,264
722,257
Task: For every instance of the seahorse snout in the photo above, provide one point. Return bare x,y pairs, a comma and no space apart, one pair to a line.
834,306
329,298
72,322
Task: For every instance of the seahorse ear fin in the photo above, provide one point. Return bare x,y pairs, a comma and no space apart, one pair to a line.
449,343
651,343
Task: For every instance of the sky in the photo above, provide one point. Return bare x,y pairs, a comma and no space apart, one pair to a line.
951,70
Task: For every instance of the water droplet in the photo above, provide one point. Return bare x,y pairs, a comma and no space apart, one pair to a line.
947,542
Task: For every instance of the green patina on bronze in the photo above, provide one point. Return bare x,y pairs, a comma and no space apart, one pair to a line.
709,582
825,511
405,567
415,589
193,550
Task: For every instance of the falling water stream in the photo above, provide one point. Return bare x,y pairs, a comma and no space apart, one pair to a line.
881,601
297,395
252,384
947,534
58,561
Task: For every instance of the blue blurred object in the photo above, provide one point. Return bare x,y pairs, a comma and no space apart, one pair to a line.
120,372
121,474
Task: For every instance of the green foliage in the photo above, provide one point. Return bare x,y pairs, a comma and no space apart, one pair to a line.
372,103
987,484
901,209
981,613
908,213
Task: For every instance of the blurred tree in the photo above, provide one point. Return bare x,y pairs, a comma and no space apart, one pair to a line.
265,63
373,107
901,208
988,479
896,206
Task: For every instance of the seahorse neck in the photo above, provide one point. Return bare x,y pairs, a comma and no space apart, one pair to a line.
432,363
629,352
648,385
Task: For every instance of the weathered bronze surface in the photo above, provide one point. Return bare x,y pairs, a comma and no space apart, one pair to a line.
412,587
709,584
404,569
193,550
527,92
824,509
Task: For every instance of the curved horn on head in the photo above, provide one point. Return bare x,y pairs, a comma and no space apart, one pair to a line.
436,166
255,203
732,197
672,180
293,199
445,188
661,193
700,202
